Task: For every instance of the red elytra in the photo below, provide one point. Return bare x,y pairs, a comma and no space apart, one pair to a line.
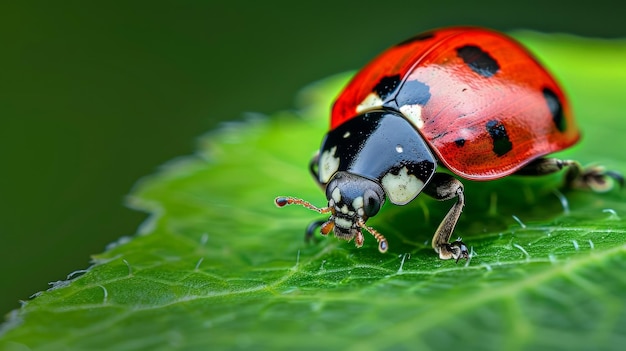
524,104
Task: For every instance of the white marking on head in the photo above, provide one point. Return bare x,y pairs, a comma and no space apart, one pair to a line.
343,223
399,149
336,195
403,187
346,135
329,164
372,100
344,209
414,114
358,203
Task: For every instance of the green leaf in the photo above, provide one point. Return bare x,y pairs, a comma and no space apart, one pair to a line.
218,266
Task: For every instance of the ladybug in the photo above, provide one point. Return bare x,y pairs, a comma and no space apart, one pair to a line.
468,100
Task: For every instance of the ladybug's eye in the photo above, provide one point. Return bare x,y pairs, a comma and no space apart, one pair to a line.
371,203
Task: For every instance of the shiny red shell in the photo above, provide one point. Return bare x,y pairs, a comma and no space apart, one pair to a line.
489,106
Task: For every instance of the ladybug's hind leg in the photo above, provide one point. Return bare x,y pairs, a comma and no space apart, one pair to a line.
445,187
596,178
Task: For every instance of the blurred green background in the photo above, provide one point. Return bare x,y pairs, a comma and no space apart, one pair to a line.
94,96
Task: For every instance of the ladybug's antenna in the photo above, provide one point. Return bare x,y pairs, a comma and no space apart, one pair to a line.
283,201
382,242
328,226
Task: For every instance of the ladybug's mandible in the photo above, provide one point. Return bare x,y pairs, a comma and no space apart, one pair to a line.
468,99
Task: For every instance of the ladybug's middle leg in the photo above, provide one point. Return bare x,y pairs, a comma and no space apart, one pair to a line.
445,187
595,178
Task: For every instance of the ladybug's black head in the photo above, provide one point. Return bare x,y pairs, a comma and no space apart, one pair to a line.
352,199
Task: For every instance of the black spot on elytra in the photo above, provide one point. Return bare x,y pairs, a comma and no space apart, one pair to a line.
386,86
479,61
501,142
459,142
419,37
555,109
413,92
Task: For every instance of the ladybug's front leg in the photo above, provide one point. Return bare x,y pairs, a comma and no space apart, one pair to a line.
595,178
444,187
313,168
